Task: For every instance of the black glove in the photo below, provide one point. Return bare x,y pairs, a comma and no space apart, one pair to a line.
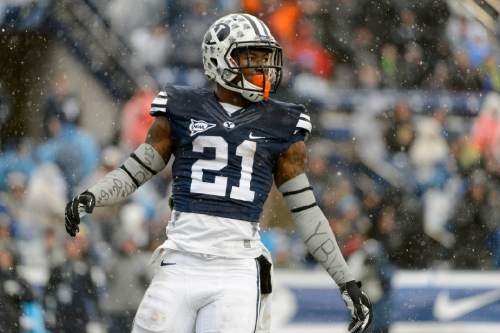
84,202
359,304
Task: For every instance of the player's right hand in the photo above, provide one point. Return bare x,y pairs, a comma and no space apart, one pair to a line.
360,306
76,208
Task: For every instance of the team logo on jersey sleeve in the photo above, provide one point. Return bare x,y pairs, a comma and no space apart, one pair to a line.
199,126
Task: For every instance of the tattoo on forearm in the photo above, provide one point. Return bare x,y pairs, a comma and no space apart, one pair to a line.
149,156
327,252
117,189
142,176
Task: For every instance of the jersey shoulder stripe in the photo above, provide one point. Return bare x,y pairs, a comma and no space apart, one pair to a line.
160,101
303,121
305,116
304,124
159,104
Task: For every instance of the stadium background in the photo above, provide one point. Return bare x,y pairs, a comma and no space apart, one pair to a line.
403,158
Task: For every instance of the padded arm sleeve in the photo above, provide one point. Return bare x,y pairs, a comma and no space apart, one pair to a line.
314,229
116,186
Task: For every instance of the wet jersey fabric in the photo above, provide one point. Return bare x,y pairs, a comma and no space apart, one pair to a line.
224,163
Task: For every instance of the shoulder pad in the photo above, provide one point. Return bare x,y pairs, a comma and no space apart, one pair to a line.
300,119
172,98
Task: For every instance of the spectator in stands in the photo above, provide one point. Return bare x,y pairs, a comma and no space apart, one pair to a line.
43,202
389,62
126,16
486,134
471,226
470,36
439,79
71,294
6,226
337,30
13,199
385,230
14,293
491,74
19,159
466,155
458,31
61,103
364,44
252,7
308,55
5,107
408,31
478,48
347,219
429,155
54,250
283,21
153,45
320,175
135,119
412,69
195,16
368,77
463,75
74,151
401,131
126,271
486,127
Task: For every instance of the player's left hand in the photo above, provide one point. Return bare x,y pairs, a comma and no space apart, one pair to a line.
359,304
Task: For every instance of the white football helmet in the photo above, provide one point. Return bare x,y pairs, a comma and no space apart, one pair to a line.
241,32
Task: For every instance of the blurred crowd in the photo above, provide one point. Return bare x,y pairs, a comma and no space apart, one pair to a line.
361,44
401,189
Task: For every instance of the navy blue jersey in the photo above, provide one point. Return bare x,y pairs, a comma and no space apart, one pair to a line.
224,164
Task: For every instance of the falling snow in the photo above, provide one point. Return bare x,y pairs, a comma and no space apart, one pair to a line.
403,159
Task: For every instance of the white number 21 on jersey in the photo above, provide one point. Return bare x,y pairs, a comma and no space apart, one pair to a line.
247,152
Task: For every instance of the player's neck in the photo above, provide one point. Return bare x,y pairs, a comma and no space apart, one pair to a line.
231,97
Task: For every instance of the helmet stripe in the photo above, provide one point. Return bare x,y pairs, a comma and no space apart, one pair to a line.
264,28
252,23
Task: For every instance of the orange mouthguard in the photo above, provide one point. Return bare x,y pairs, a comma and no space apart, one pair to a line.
261,80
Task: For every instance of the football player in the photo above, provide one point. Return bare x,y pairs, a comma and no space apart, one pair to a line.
229,144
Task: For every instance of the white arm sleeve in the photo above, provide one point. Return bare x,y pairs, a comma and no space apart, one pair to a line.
314,229
116,186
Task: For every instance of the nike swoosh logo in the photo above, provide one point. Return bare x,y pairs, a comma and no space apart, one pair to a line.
449,309
251,136
166,263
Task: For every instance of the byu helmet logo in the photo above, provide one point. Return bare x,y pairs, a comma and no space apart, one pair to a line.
222,31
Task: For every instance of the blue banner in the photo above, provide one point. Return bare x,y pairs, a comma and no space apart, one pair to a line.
418,302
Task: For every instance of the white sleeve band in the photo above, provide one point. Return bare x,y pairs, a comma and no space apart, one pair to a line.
314,229
116,186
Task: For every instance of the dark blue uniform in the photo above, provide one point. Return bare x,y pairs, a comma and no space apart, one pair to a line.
224,164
